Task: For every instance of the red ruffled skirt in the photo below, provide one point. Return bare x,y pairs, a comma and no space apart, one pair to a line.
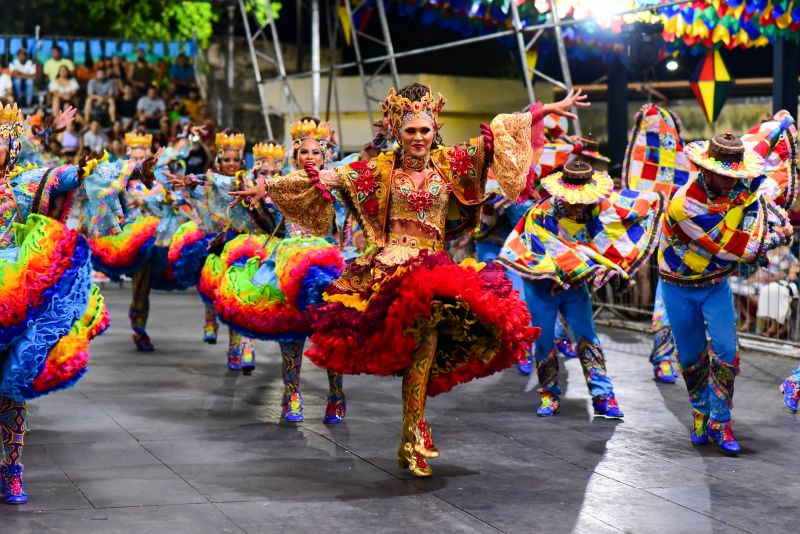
483,326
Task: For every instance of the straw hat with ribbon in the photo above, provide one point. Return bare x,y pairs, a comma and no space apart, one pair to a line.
591,149
578,183
725,154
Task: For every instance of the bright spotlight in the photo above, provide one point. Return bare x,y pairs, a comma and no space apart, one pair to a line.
672,65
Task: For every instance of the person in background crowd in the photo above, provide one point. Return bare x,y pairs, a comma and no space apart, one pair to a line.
63,89
193,105
53,65
181,75
70,141
100,91
116,150
126,105
141,73
777,285
23,72
150,108
118,72
117,131
6,87
94,139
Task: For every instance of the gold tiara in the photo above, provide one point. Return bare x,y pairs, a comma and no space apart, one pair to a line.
269,150
396,107
229,142
11,121
309,129
137,140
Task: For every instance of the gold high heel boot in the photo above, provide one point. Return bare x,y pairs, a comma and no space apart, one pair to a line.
408,458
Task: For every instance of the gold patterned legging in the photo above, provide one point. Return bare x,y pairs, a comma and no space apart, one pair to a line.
14,424
292,360
417,376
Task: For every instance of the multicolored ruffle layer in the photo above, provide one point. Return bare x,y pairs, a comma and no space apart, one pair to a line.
482,324
126,252
187,253
45,251
237,250
268,296
47,351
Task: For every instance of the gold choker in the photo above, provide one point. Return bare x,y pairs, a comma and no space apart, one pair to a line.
414,163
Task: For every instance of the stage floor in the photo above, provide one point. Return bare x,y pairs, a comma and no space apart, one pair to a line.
171,441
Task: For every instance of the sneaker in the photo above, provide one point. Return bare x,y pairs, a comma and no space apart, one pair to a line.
335,410
791,394
606,406
248,360
13,487
526,367
665,372
235,359
143,343
566,349
293,408
210,334
699,435
721,432
549,405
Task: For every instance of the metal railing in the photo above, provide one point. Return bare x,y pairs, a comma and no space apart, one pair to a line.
766,300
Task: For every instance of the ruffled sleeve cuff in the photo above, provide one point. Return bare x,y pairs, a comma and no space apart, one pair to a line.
103,185
304,201
518,145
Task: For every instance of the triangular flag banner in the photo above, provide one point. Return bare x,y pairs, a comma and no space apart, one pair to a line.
344,20
711,83
531,58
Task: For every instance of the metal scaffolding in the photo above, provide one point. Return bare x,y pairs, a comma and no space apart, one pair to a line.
267,48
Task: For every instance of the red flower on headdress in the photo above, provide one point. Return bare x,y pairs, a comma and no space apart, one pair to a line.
419,201
366,182
460,161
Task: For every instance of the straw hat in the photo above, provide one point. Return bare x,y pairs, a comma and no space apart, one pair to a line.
725,154
578,183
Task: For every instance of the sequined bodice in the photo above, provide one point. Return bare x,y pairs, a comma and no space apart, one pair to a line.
416,216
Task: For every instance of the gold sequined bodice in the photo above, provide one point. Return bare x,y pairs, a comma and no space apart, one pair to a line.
416,216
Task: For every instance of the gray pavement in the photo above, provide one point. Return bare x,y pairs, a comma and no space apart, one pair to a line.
173,442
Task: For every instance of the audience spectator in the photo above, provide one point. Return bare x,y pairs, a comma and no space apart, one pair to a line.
118,72
165,134
198,159
193,104
6,86
70,141
23,72
63,89
116,150
117,131
141,73
161,80
181,75
94,139
100,92
36,119
126,105
53,65
150,108
777,285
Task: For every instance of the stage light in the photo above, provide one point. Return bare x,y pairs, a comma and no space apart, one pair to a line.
672,65
608,10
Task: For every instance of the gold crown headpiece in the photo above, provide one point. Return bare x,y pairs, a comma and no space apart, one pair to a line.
138,140
11,121
398,108
229,142
271,151
309,129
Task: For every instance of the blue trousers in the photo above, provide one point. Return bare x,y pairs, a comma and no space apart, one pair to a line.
23,89
576,307
692,311
487,251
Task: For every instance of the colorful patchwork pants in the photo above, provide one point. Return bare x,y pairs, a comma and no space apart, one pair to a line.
576,308
663,344
709,371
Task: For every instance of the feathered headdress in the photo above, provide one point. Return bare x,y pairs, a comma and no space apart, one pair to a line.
138,140
229,142
398,109
270,151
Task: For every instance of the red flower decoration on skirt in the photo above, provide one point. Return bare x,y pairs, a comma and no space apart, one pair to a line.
460,161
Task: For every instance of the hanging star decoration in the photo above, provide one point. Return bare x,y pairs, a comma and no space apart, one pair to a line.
711,83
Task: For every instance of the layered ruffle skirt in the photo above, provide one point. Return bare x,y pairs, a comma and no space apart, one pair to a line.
49,309
124,253
483,326
265,288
